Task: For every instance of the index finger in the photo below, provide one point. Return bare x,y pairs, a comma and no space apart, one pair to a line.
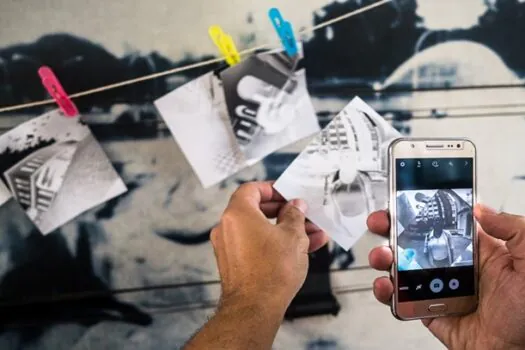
255,193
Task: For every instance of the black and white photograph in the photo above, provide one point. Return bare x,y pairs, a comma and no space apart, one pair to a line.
55,169
196,114
434,229
266,101
226,121
342,173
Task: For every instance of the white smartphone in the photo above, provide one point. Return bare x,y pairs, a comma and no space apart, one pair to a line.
433,232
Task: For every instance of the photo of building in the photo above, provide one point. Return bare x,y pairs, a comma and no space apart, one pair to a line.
36,179
56,170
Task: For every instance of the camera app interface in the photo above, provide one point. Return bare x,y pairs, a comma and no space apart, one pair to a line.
435,228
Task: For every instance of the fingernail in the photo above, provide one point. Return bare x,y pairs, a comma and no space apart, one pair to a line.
487,210
300,204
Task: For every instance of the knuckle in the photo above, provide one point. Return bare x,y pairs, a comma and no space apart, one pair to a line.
304,241
228,217
519,227
521,223
293,213
293,222
511,222
213,235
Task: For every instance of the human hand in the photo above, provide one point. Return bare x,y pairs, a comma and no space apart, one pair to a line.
260,262
499,321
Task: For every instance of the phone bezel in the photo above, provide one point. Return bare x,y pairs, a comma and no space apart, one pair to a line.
429,148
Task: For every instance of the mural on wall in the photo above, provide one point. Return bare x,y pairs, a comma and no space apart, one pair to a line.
157,233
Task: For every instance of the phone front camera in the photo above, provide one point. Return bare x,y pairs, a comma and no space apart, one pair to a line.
459,146
413,146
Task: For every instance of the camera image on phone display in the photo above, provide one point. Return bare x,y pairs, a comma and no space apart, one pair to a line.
434,228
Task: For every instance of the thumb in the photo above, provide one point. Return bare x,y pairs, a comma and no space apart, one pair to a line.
507,227
292,215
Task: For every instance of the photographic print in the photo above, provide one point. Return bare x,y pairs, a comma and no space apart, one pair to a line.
226,121
434,228
197,117
342,173
264,98
55,169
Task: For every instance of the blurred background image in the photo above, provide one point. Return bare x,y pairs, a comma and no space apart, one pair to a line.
430,67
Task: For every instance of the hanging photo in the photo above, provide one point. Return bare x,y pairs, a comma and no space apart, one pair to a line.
342,173
226,121
55,169
262,98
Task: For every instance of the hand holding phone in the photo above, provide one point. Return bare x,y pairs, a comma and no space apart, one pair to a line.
498,322
433,233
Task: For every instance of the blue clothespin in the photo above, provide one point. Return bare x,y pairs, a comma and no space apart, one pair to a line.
285,32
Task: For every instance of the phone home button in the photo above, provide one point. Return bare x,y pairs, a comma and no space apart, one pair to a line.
437,308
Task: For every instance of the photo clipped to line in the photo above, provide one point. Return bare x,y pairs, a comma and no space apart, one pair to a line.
56,170
267,103
434,228
227,120
342,173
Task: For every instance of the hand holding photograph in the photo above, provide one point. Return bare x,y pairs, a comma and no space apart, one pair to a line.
226,121
56,170
342,173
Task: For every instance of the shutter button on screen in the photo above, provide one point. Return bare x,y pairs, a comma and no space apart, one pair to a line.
436,285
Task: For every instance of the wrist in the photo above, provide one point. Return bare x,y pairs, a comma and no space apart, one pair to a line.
270,309
240,323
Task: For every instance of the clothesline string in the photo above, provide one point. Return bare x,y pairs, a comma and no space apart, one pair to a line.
194,65
173,286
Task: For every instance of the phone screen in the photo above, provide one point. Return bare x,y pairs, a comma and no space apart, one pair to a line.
435,228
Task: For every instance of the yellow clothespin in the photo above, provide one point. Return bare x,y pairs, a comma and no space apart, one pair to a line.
225,44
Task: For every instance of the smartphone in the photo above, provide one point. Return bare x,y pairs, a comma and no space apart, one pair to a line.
433,232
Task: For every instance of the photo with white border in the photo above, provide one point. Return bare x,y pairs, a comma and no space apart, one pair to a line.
56,170
342,173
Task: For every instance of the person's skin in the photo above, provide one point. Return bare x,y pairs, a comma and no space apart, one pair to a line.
499,321
262,267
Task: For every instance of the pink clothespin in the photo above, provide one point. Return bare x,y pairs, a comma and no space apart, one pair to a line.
55,89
